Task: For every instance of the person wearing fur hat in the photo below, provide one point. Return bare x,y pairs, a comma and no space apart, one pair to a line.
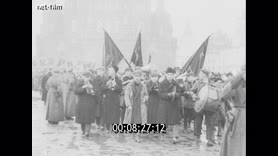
136,97
168,109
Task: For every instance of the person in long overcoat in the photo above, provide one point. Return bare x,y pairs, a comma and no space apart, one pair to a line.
70,104
99,82
86,105
234,138
43,85
136,97
153,102
64,87
168,109
111,90
54,99
127,78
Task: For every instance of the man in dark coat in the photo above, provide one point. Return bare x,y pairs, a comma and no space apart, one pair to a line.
152,87
43,84
168,109
111,90
99,79
199,116
86,105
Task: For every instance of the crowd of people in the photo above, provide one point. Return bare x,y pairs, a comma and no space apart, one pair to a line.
105,97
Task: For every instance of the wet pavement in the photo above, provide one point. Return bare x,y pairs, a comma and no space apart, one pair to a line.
65,139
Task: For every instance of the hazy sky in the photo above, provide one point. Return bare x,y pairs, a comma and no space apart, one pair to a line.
204,16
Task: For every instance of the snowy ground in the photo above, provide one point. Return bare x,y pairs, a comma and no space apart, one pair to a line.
65,139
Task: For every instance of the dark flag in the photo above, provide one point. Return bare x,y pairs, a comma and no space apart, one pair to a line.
112,54
136,57
196,62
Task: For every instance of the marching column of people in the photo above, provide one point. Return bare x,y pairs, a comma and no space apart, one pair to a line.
105,98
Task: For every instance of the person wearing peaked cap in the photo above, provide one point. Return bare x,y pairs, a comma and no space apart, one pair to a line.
199,117
168,108
154,73
137,72
136,97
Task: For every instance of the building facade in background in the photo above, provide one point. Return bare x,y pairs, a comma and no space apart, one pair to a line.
225,53
77,32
